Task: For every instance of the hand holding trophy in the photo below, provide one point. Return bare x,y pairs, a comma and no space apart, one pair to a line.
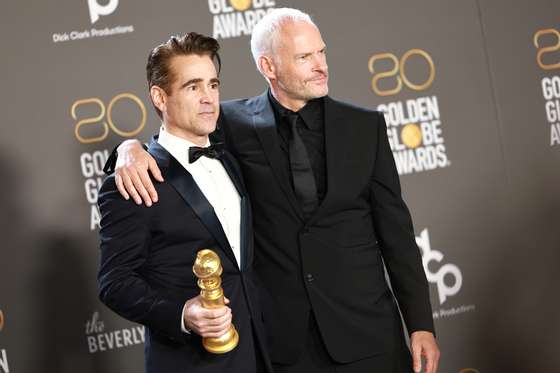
208,269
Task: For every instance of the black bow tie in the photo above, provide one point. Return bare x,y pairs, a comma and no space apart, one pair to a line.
213,151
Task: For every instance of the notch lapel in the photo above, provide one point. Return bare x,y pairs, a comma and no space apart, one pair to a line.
264,124
338,146
184,184
234,173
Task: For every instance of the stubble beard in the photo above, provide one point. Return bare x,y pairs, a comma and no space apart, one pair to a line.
302,91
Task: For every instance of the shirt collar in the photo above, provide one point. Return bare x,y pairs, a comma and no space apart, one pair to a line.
311,113
177,146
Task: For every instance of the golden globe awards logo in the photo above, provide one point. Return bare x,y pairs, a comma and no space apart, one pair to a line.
234,18
447,277
547,43
94,121
4,367
414,126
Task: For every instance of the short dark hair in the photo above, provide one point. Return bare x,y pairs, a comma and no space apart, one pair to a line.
158,71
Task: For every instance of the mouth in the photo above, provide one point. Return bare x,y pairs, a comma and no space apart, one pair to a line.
319,79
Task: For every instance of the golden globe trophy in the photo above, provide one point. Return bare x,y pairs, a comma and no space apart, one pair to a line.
208,268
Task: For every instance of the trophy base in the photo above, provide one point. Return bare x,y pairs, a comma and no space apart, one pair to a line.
223,344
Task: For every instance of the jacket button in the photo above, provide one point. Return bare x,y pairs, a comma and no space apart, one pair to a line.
309,277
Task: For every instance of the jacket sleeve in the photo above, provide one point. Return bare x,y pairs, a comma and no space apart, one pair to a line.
395,232
125,240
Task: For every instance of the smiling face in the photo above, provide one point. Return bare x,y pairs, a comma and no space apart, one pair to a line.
191,108
298,70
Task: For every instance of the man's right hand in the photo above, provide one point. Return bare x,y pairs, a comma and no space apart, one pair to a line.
209,323
131,173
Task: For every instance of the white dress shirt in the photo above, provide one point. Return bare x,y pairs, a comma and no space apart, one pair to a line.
216,185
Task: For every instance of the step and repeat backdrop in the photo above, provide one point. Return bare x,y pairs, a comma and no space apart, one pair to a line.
471,95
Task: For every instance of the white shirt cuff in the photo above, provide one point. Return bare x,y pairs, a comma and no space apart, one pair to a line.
183,328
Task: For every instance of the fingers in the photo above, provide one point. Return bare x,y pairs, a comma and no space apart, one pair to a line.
211,323
423,344
429,362
432,358
217,327
125,182
416,357
213,328
136,178
226,300
147,182
154,169
128,186
132,170
120,186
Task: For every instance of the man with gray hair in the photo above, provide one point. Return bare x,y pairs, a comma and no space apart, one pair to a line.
328,214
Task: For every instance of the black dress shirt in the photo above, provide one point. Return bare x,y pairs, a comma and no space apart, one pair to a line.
311,128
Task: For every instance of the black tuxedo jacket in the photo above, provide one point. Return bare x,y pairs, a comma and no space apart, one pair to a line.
331,264
146,274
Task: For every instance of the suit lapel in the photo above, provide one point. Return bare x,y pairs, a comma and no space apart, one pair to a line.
183,182
265,126
336,141
234,174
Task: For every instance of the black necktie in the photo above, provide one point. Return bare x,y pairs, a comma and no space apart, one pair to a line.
213,151
302,173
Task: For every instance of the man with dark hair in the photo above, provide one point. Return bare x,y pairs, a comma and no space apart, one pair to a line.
147,255
158,69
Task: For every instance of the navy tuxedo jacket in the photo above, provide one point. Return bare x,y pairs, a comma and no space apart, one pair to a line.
147,254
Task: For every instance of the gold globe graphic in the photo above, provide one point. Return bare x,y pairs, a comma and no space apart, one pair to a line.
240,5
411,135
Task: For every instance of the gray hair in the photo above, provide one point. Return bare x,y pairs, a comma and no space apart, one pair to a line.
266,30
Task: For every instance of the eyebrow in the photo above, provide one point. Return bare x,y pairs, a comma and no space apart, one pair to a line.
192,81
198,80
310,53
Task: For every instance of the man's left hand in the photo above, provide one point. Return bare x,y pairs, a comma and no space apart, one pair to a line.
424,344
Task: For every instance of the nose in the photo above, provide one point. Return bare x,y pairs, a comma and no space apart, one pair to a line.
320,62
206,96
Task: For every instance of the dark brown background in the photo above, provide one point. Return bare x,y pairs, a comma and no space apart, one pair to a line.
494,211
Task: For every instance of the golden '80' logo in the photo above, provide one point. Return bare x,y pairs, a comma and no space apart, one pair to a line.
398,72
547,34
96,128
